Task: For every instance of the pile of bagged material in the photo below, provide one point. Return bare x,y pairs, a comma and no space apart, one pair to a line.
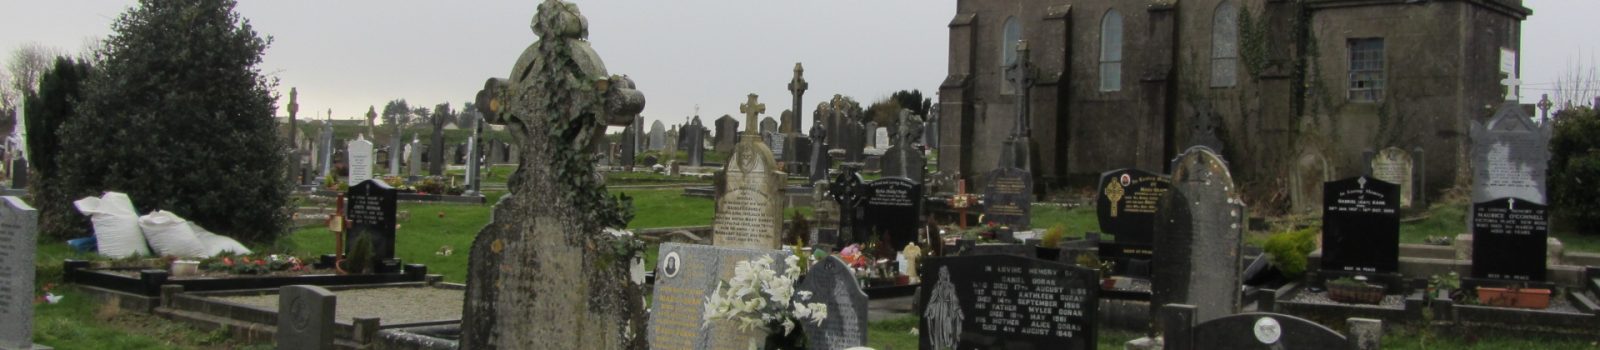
120,232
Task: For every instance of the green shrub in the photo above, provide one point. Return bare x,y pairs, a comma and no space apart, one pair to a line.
1288,250
1574,158
1052,237
60,88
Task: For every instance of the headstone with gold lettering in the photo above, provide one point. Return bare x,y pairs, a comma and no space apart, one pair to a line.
1007,198
1126,207
750,212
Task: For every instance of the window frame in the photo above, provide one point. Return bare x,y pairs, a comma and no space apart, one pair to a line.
1225,45
1365,71
1111,60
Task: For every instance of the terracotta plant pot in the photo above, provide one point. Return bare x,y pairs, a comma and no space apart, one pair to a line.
1527,298
1355,293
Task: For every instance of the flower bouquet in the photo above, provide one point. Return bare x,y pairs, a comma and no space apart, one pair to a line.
760,298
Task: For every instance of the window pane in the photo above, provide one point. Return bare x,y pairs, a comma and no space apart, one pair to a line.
1111,76
1366,69
1013,32
1224,46
1111,51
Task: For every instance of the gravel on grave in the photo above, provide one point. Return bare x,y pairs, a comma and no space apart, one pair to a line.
1390,301
393,305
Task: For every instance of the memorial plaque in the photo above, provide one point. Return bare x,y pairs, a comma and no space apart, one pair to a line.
1361,226
305,318
1509,239
1006,302
360,152
1126,203
1008,198
1394,166
370,207
1199,236
1509,157
685,275
894,208
832,283
19,232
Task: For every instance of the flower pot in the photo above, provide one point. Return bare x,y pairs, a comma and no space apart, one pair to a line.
1108,283
1527,298
1355,293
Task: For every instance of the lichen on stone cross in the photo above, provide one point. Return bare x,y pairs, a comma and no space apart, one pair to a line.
752,110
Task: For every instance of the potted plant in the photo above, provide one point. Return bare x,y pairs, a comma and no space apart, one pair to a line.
1354,290
1445,286
1515,296
1103,268
1049,247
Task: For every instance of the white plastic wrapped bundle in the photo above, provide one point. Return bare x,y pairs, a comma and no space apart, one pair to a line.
116,225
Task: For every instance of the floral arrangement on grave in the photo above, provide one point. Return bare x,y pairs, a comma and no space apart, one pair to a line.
760,298
1354,290
246,265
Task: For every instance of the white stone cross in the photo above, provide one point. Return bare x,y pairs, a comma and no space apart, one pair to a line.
1511,87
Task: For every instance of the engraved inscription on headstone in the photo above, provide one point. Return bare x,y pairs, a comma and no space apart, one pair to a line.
18,245
1008,198
832,283
1360,226
1394,166
1509,239
360,152
894,209
750,214
1006,302
370,207
685,275
1509,156
1126,203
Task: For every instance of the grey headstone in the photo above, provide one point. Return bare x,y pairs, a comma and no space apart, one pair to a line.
872,135
1394,165
630,143
1510,154
685,276
414,157
325,150
361,161
768,125
19,173
880,138
1199,229
1305,184
832,283
19,230
696,142
904,159
305,318
658,136
820,162
727,134
436,148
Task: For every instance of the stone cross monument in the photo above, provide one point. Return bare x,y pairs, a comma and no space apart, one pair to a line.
538,257
797,87
294,147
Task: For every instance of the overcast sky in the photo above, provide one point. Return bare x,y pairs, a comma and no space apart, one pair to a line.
347,55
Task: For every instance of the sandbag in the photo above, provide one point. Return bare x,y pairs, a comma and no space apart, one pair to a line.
116,225
216,244
171,235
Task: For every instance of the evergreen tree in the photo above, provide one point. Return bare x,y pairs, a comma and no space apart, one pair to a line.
181,118
56,102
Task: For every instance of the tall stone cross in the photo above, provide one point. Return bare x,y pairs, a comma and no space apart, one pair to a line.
1017,152
752,110
294,107
797,87
1511,84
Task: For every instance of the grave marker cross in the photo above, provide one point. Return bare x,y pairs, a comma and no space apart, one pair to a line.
751,110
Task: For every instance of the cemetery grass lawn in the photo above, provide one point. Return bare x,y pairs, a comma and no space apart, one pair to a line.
626,178
1077,221
78,322
1448,219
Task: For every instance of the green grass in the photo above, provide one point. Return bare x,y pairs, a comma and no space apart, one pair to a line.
1077,220
77,322
667,207
418,239
625,178
1448,219
496,174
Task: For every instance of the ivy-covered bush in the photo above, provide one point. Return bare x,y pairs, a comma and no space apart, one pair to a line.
1575,167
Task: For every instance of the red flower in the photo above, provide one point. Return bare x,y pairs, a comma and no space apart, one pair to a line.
227,261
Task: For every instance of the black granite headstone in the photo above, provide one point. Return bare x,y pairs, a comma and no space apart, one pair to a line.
1509,239
1126,204
1361,226
832,283
1008,198
894,209
370,207
19,174
1006,302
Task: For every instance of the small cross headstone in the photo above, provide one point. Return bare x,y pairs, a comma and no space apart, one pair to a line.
360,151
370,207
1007,302
1361,226
305,318
19,232
833,283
